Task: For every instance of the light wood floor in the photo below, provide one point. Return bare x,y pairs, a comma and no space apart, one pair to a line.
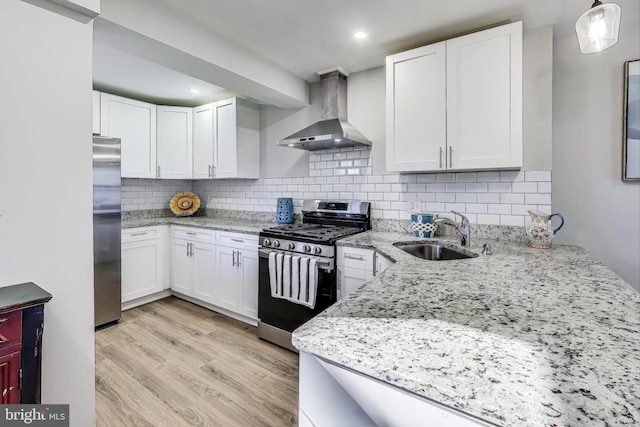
172,363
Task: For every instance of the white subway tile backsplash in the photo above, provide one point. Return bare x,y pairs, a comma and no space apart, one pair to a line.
511,176
524,187
512,198
426,178
489,197
467,197
502,209
499,187
456,188
517,221
538,199
446,177
544,176
466,177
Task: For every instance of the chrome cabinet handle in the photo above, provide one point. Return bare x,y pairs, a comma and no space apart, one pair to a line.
339,284
142,233
158,173
190,233
237,240
359,258
238,261
210,171
188,249
213,174
440,157
450,156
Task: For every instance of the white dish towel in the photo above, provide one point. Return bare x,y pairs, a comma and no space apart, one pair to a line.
293,278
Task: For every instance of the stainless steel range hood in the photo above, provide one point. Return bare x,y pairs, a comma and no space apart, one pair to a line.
333,130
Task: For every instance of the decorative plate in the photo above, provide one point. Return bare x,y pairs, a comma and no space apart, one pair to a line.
185,203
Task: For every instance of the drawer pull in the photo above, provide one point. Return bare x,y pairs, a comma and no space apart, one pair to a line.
142,233
237,240
190,233
359,258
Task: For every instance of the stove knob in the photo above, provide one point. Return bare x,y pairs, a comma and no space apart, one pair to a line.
276,244
292,246
266,242
317,250
306,248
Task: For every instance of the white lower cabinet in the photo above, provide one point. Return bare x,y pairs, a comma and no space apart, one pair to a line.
193,263
218,268
143,262
356,266
237,264
331,395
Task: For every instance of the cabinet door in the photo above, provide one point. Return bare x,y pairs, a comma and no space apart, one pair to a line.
142,269
416,109
181,271
175,142
484,99
134,122
9,378
227,278
95,118
350,279
248,298
225,139
203,142
204,271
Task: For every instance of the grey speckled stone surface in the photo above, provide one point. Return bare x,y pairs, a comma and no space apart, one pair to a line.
213,223
524,337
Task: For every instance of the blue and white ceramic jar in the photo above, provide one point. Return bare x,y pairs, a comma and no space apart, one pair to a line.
284,210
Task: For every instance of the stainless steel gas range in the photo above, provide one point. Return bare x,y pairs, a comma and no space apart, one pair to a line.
307,251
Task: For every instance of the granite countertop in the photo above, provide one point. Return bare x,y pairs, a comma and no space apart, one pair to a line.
523,337
213,223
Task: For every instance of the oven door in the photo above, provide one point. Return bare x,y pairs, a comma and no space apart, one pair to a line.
286,315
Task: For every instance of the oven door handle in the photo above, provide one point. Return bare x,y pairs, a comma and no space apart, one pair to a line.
324,265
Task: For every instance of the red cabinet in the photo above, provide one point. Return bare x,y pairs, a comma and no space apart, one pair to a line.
21,326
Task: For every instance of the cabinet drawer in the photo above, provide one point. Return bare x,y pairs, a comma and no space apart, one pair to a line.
141,233
362,259
10,328
195,234
237,240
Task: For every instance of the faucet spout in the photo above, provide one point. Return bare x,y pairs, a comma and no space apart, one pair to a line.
463,231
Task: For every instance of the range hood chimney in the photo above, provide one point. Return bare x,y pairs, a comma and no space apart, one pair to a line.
333,130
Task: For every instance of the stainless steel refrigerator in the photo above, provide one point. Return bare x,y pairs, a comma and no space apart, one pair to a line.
106,229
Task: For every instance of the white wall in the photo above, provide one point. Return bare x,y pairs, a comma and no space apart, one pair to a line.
46,191
602,212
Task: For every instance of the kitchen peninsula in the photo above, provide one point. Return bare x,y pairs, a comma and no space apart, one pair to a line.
522,337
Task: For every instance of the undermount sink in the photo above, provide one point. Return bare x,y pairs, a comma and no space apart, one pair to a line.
432,251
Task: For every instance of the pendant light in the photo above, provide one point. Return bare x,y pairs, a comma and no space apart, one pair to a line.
598,27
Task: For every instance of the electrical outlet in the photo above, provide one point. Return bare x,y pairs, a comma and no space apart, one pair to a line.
415,205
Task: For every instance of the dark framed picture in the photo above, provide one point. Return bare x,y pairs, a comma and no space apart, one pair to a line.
631,128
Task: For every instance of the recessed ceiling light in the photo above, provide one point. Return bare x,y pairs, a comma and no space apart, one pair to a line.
194,91
360,35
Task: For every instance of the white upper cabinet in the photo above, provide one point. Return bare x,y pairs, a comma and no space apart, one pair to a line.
416,109
237,139
457,105
175,142
134,122
484,99
203,141
226,140
95,119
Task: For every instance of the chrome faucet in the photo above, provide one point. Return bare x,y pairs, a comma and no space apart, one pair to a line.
464,230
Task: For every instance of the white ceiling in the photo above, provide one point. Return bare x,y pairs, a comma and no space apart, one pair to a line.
307,36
